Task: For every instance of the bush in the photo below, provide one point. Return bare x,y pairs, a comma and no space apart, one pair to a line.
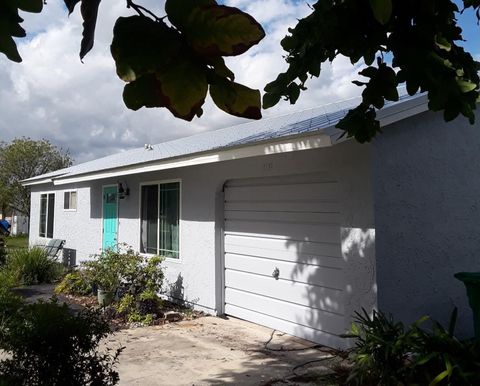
32,266
75,283
389,353
137,278
49,345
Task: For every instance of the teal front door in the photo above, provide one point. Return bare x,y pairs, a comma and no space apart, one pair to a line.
110,217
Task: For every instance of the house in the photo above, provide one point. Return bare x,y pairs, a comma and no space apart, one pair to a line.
285,223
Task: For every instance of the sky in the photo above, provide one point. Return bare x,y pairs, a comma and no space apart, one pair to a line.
79,107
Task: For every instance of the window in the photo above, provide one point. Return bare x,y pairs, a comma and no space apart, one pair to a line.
70,200
47,205
160,219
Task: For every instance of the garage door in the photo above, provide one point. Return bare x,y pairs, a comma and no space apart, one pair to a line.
283,260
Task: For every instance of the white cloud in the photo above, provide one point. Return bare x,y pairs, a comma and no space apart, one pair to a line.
79,106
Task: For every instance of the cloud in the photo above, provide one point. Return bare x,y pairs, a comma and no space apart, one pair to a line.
79,106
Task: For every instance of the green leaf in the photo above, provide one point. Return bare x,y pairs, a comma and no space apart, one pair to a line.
443,43
221,68
184,87
214,30
270,100
145,91
33,6
178,11
141,45
181,89
466,86
70,4
9,48
236,99
89,9
382,10
293,92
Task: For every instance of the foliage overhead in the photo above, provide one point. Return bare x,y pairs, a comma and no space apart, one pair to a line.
25,158
421,37
173,66
176,60
10,22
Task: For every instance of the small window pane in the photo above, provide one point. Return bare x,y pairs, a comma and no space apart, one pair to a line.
70,201
50,215
43,215
149,219
169,219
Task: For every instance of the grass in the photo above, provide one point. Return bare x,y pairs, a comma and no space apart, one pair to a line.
17,242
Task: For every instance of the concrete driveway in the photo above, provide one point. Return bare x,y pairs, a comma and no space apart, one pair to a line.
215,351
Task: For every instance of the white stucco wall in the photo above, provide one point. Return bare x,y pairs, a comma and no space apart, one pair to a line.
427,214
199,267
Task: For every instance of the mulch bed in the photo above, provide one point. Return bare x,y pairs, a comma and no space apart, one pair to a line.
169,312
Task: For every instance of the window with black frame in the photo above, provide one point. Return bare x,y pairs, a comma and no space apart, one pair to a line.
160,219
47,213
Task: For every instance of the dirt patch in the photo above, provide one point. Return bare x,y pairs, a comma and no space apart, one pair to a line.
217,351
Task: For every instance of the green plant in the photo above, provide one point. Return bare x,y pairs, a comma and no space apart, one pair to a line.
389,353
75,283
105,270
32,266
47,344
142,278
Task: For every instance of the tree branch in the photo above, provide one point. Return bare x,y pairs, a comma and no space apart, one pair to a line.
141,10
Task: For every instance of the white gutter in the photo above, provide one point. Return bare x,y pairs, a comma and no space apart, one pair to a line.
281,146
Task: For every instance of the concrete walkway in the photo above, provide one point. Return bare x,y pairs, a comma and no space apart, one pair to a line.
215,351
209,351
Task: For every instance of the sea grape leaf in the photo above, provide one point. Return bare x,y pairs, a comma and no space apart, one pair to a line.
182,89
214,30
10,24
32,6
70,4
382,10
236,99
144,91
89,9
141,45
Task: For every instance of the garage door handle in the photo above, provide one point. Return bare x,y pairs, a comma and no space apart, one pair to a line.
276,273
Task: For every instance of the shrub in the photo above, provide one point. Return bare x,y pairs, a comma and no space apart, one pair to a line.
49,345
389,353
105,270
139,280
75,283
32,266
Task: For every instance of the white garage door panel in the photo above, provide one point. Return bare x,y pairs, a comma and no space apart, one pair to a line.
315,218
295,231
293,224
326,299
315,191
294,313
292,256
285,248
303,273
288,327
285,206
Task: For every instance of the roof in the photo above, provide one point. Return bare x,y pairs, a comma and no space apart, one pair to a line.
302,123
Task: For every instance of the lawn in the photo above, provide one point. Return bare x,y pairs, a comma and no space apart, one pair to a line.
16,242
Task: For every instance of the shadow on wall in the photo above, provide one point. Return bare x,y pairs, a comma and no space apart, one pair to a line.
176,293
340,278
176,290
